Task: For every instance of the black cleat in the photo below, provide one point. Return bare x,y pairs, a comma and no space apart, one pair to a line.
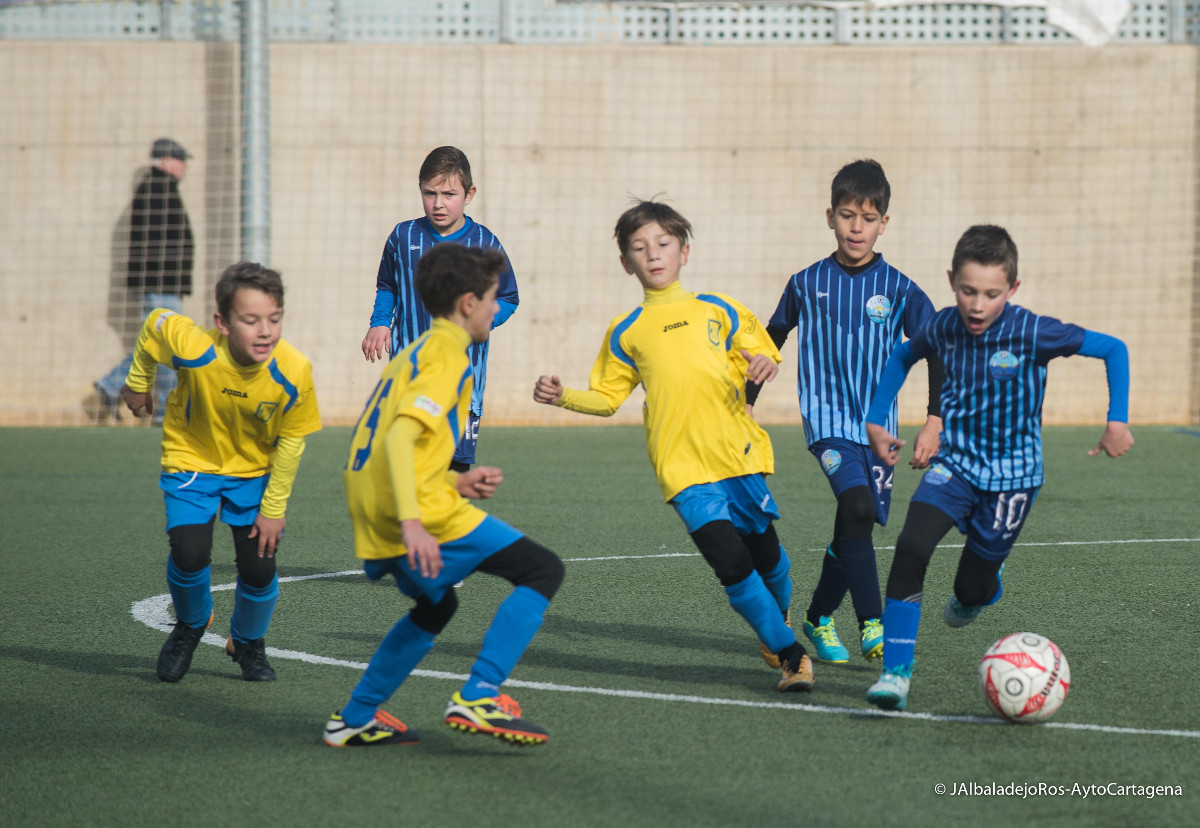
175,657
251,656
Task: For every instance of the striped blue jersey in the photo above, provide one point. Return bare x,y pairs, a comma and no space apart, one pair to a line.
847,327
993,393
398,305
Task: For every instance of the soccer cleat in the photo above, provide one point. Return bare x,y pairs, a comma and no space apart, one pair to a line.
384,729
891,691
175,657
797,674
825,638
498,716
251,656
872,639
958,615
771,658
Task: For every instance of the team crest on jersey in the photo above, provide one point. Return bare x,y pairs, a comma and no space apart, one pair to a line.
831,461
938,475
1004,365
879,308
714,331
265,410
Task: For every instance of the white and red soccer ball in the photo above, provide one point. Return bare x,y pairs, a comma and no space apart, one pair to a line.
1024,677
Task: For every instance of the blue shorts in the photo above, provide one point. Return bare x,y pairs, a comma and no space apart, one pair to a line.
848,464
459,559
194,498
990,520
464,452
744,501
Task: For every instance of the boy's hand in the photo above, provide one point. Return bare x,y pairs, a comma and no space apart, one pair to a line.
927,444
548,390
885,445
423,550
1115,441
142,405
760,368
269,532
377,342
480,482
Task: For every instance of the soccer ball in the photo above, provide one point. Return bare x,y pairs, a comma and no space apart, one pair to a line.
1024,677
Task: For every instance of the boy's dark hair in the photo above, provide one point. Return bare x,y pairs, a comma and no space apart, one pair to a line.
650,212
986,244
446,161
859,182
247,276
450,270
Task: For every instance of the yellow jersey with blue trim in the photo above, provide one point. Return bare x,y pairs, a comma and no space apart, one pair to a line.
429,383
223,418
686,350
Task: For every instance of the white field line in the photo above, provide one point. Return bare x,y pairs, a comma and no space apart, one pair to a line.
153,613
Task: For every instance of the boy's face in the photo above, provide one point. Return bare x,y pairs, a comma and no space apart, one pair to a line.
654,256
478,314
445,200
253,328
856,225
981,292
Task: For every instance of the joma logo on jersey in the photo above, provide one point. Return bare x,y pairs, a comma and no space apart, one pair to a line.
674,325
233,392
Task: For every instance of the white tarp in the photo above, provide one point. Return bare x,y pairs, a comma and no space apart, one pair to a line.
1094,22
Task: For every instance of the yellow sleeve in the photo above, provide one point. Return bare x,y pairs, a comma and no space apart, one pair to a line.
613,378
400,445
284,464
140,378
752,334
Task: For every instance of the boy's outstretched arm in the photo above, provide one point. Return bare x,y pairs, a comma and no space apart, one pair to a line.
885,444
1116,439
138,390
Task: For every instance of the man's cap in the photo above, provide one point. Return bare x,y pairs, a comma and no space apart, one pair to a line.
169,148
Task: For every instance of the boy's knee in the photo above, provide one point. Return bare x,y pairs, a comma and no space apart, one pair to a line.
191,546
431,617
253,570
724,551
528,564
856,513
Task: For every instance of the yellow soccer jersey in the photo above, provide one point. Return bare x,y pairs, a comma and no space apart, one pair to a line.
223,418
685,348
430,382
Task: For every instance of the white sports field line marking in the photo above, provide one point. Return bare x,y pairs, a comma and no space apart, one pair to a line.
153,613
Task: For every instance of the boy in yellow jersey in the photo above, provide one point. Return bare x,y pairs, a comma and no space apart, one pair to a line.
233,436
694,354
412,520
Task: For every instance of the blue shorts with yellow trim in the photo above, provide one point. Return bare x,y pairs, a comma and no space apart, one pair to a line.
459,559
194,498
744,501
848,464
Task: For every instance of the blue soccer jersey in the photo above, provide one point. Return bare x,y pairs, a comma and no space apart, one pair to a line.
993,393
398,305
848,326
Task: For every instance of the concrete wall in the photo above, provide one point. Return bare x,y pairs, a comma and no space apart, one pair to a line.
1088,156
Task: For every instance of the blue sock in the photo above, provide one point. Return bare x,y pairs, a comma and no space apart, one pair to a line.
252,610
753,602
517,621
191,594
831,587
900,622
779,581
862,576
398,655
